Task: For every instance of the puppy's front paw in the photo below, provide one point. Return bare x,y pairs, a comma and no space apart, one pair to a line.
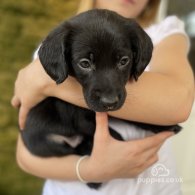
94,185
176,129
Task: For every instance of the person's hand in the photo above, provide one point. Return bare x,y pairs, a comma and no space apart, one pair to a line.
30,87
112,159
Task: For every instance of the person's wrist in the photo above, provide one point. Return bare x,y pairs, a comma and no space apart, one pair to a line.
46,83
49,88
89,172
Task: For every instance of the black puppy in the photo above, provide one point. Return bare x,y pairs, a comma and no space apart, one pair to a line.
103,51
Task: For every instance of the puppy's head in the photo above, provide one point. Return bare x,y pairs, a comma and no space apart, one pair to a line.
102,50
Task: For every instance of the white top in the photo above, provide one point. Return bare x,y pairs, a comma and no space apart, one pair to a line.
159,179
169,26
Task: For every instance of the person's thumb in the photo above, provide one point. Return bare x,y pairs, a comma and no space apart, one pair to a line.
15,102
101,132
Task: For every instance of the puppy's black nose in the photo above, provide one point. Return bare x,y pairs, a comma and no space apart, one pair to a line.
109,102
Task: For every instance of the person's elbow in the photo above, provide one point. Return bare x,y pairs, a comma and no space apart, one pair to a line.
185,103
20,161
22,157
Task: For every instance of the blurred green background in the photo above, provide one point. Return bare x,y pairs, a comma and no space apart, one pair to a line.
23,24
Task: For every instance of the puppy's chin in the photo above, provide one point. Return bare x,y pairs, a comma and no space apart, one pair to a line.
101,108
94,103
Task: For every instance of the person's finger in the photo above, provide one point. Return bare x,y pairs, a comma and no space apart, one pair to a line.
153,159
153,141
148,154
15,102
22,116
101,131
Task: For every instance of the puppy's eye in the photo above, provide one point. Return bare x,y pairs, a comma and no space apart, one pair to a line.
124,61
85,63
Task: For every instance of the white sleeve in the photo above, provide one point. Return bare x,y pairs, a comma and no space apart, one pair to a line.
169,26
35,54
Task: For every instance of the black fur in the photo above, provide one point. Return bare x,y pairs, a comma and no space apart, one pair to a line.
103,51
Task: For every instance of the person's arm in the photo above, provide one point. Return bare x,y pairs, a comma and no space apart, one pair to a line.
110,158
162,96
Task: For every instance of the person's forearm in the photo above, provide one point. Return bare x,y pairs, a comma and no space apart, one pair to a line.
164,101
103,164
158,99
62,168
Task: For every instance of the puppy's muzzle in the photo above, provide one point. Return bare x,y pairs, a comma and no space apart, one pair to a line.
107,97
109,102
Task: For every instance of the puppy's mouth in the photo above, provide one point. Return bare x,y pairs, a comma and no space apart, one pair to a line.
101,108
96,104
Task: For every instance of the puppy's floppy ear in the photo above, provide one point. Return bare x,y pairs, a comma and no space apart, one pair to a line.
53,53
142,48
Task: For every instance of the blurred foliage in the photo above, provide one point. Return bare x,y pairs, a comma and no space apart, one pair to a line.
23,24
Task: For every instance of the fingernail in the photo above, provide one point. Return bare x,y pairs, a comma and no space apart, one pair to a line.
21,127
